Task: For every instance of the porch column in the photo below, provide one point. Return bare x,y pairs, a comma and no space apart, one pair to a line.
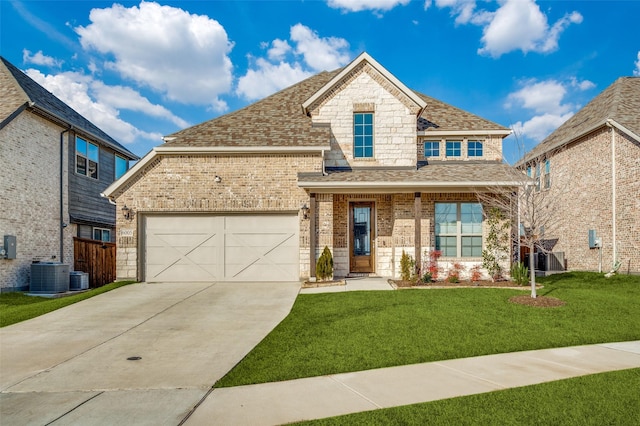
417,239
312,236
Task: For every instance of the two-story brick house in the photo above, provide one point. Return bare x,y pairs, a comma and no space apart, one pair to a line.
590,167
350,159
55,163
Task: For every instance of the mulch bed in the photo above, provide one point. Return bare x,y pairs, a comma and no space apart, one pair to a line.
315,284
525,299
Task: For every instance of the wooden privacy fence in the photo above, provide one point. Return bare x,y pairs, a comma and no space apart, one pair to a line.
96,258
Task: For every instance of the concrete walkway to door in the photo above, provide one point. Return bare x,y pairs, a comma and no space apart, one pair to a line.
72,366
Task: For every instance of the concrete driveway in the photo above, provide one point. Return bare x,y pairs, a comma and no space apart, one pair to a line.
72,366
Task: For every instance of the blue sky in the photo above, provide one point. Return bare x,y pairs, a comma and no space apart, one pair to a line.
142,70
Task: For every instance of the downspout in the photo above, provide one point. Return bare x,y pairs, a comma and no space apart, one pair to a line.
62,224
613,191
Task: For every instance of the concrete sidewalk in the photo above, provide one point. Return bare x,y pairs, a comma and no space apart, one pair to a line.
333,395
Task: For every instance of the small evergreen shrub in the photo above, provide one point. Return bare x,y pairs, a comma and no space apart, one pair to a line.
407,265
324,266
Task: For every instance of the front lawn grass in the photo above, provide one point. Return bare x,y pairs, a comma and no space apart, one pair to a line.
599,399
16,307
353,331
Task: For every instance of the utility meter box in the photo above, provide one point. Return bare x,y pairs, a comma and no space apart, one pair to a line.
10,246
594,241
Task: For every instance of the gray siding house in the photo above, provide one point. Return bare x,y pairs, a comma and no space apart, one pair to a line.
55,164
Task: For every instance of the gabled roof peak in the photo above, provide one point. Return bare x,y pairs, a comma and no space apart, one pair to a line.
361,59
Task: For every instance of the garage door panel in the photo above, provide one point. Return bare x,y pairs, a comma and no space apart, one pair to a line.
230,248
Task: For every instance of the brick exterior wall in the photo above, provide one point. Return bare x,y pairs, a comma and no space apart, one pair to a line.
185,184
365,90
581,178
30,197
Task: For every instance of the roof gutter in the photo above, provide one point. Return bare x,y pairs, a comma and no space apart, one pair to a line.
496,132
384,186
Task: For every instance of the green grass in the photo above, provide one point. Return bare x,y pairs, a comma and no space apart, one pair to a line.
599,399
353,331
16,307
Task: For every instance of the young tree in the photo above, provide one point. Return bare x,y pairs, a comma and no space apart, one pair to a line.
530,203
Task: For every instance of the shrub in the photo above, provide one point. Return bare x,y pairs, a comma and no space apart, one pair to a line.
324,266
433,268
475,274
453,276
407,264
520,273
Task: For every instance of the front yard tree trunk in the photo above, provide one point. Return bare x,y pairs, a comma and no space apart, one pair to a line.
532,270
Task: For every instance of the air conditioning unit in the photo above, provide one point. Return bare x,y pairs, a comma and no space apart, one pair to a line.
78,280
49,277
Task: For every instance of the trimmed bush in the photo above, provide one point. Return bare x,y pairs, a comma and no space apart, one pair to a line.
324,266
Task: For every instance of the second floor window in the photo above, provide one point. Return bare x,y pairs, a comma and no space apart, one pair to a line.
431,149
122,165
87,155
474,149
454,149
363,135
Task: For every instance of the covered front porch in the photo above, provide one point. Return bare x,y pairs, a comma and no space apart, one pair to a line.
368,218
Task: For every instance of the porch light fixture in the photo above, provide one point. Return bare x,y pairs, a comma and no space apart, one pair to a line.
305,211
127,212
217,179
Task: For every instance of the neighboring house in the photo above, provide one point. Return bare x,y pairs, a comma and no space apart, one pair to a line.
591,167
55,164
350,159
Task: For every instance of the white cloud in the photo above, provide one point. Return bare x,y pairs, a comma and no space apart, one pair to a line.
289,61
39,58
515,25
279,48
636,72
360,5
548,101
181,55
268,78
321,54
100,103
582,85
540,126
541,97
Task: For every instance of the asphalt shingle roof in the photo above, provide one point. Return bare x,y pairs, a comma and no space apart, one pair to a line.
280,121
435,173
44,100
619,102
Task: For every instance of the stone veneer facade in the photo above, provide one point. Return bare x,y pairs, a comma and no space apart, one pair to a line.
583,175
30,197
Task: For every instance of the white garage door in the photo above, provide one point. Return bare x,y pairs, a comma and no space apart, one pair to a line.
221,248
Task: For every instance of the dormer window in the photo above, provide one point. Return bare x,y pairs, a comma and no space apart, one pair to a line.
454,149
474,149
363,135
431,149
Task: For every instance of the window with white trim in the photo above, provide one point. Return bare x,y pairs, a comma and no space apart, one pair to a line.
547,174
458,229
87,158
363,135
454,148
